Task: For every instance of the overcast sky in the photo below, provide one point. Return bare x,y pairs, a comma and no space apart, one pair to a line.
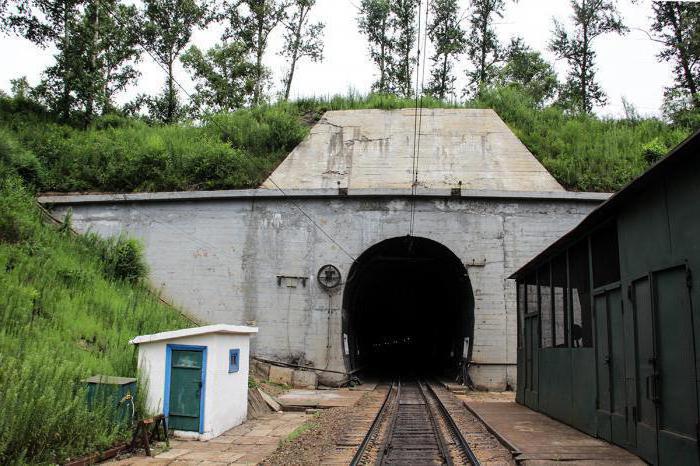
627,66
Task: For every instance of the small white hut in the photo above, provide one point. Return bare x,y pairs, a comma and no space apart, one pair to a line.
197,377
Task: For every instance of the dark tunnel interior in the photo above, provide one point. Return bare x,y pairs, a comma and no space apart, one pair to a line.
408,309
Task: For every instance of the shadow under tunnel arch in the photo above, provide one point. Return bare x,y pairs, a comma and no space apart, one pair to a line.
408,308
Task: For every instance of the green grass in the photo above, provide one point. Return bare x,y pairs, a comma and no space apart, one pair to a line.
240,149
64,316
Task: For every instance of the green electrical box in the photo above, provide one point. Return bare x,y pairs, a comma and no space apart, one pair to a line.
116,392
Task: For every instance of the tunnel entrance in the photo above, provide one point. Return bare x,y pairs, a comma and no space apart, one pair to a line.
407,308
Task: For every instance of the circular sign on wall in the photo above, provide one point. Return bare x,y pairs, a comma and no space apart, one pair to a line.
329,276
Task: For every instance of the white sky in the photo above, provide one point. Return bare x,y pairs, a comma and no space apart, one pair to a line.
627,66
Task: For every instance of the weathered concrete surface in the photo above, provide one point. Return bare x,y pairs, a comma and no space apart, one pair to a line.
375,149
219,259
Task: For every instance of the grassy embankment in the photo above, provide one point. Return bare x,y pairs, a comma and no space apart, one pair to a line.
68,307
238,150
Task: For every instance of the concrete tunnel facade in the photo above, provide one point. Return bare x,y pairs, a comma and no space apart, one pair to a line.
251,257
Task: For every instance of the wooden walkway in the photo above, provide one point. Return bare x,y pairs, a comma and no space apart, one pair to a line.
537,439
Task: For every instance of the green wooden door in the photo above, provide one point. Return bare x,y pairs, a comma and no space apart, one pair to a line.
532,340
675,385
185,390
645,410
603,359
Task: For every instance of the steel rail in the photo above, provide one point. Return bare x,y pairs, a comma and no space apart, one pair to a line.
362,449
442,446
455,429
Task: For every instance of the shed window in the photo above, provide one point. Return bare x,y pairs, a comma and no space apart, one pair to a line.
580,299
544,281
606,256
522,304
531,294
234,362
559,287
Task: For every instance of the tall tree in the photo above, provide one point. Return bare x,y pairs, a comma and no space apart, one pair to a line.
223,76
483,49
677,26
374,22
591,19
404,28
50,23
251,22
168,30
301,39
525,69
449,40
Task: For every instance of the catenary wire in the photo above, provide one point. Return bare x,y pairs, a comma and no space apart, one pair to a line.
272,181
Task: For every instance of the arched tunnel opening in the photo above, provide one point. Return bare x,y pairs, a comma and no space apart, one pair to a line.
407,309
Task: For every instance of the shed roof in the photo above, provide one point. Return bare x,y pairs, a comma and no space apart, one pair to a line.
373,149
688,148
189,332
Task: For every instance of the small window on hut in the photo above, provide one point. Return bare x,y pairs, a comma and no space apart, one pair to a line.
560,292
580,291
606,256
544,281
234,362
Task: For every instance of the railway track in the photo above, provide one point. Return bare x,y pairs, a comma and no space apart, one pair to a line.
413,427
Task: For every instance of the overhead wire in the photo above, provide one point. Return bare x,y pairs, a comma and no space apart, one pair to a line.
250,159
420,72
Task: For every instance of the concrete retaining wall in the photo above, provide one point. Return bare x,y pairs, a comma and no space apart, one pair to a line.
220,259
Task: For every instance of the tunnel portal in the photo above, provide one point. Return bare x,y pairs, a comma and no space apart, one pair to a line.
407,308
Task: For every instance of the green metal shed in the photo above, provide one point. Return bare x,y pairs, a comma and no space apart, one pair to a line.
609,320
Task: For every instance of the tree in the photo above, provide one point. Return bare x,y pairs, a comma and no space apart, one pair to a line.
404,38
50,23
449,40
374,22
301,39
168,29
224,77
677,26
591,19
251,22
525,69
483,49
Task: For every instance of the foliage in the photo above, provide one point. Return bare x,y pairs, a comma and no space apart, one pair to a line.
61,320
591,19
676,26
449,40
302,39
374,22
484,51
526,70
583,152
251,22
224,78
167,31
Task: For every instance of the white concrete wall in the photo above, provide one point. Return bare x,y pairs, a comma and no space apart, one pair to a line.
219,260
226,394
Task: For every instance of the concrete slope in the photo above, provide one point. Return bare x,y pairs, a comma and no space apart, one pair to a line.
361,149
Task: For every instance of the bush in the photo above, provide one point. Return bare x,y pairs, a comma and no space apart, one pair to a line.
123,260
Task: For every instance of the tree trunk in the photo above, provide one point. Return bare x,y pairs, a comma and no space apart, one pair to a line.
382,59
691,85
65,104
443,78
295,52
170,114
90,102
257,92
